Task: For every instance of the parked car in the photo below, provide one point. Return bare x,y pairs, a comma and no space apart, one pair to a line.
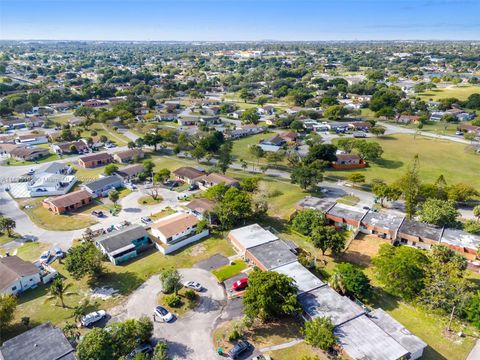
31,172
45,256
240,284
459,133
59,253
164,314
240,347
359,134
193,285
142,349
92,318
193,187
146,220
98,213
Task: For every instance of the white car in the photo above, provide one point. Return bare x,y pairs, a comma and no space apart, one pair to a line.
193,285
45,256
164,314
93,317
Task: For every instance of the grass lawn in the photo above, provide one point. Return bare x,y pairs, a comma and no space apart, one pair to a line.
241,147
460,92
297,352
64,222
435,127
29,251
4,238
227,271
48,158
122,192
148,200
185,305
111,134
437,157
348,200
162,214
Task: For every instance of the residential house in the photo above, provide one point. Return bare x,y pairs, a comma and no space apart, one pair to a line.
43,342
63,106
382,224
31,139
7,139
360,125
129,155
6,149
131,172
201,207
124,244
289,136
207,181
28,153
249,236
273,144
437,115
407,119
95,160
465,243
271,255
188,174
473,129
51,179
104,185
419,234
348,161
70,147
17,275
68,202
75,121
94,103
176,231
341,215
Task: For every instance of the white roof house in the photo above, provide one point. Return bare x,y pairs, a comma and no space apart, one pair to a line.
249,236
304,279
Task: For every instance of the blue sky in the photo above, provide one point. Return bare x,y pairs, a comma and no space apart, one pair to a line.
240,19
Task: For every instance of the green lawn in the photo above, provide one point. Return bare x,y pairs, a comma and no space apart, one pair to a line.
460,92
436,156
348,200
148,200
241,147
48,158
297,352
111,134
4,238
227,271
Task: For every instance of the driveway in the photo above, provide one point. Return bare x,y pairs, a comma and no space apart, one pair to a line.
189,336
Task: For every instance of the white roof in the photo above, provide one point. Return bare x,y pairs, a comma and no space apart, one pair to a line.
362,339
252,235
304,279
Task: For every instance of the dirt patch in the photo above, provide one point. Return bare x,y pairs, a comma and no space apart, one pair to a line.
198,250
362,249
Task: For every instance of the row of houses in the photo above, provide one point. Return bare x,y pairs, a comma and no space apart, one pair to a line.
199,177
101,159
339,127
396,228
362,334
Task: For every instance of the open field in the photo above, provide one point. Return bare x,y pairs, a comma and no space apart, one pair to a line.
111,134
461,92
436,156
241,147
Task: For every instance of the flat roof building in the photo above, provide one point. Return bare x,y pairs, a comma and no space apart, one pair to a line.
249,236
271,255
311,202
381,223
304,279
419,234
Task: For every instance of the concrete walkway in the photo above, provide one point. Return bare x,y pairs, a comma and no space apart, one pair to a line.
282,346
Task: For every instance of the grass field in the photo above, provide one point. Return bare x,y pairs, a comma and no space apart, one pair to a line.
148,200
111,134
437,157
241,147
227,271
297,352
459,92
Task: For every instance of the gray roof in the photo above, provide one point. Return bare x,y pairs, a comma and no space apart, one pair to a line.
383,220
51,168
327,302
460,238
120,239
273,254
320,204
347,212
44,342
304,279
420,229
362,339
252,235
397,331
103,182
13,268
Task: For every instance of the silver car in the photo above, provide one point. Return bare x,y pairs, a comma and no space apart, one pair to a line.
92,318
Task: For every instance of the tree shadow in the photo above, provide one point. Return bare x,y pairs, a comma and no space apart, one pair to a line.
132,210
207,304
432,354
16,329
176,349
389,164
379,298
124,282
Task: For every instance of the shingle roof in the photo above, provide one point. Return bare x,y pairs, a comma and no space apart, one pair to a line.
420,229
103,182
188,172
131,170
121,238
201,205
219,178
44,342
175,224
130,153
96,157
13,268
69,199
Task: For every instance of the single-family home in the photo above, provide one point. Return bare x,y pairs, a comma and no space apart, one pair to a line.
70,147
128,173
17,275
289,136
28,153
348,161
68,202
124,244
407,119
212,179
43,342
273,144
102,186
31,139
129,155
249,236
201,208
419,234
188,174
360,125
51,179
437,115
176,231
95,160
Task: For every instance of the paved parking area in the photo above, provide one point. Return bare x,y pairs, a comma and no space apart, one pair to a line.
214,262
228,285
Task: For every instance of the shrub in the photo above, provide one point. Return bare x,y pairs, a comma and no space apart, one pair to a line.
173,300
190,294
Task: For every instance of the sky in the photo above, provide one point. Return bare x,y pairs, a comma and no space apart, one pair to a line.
239,20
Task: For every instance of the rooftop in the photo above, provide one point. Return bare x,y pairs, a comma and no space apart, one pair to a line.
175,224
361,338
216,178
320,204
273,254
122,238
188,172
44,342
347,212
420,229
13,268
96,157
103,182
460,238
69,199
383,220
304,279
327,302
131,170
252,235
201,205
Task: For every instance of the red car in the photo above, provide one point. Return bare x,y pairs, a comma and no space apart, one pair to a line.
240,284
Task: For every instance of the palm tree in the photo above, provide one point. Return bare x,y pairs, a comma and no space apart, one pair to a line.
336,282
58,290
81,309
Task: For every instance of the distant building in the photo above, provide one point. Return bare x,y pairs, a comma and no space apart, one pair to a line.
348,161
95,160
129,155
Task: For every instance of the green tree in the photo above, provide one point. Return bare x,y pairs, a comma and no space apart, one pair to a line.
401,270
438,212
7,224
305,220
262,100
307,177
472,309
162,175
250,184
97,344
355,282
476,212
356,178
377,130
84,260
161,351
384,192
461,192
369,150
346,144
250,116
58,290
171,280
270,295
326,152
113,196
245,95
225,156
319,333
110,169
335,112
410,187
257,152
8,303
327,238
148,166
234,208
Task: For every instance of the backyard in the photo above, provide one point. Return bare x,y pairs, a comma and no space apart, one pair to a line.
436,157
